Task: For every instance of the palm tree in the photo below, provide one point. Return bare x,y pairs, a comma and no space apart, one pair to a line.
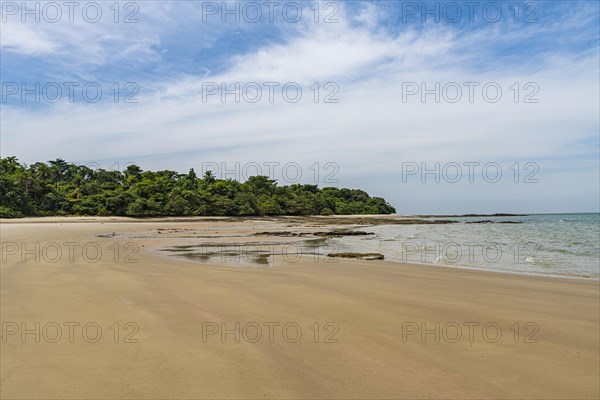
59,166
209,177
9,165
42,171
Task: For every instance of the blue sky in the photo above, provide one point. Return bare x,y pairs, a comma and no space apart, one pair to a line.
370,51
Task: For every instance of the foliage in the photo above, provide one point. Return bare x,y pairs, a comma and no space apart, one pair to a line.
60,188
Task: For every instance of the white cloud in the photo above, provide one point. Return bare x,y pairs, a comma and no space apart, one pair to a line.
22,39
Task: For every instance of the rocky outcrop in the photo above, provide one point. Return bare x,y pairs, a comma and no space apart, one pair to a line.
321,233
359,256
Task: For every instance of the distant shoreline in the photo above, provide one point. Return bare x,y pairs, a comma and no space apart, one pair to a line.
351,219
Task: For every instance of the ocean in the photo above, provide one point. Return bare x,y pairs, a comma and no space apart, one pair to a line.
566,245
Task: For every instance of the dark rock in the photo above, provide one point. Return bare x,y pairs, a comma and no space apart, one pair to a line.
487,221
359,256
321,233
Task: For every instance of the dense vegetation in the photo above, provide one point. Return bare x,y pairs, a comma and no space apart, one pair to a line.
61,188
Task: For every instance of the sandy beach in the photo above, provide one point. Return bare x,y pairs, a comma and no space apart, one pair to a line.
119,317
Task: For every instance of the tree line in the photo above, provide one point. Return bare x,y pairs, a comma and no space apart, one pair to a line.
61,188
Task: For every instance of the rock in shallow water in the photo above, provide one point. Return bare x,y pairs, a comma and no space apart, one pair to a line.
359,256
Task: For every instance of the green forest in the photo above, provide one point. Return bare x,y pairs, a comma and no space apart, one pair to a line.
61,188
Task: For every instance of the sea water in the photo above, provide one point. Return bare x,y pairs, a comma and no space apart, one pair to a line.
565,245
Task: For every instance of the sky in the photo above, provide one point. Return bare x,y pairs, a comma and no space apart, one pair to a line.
439,107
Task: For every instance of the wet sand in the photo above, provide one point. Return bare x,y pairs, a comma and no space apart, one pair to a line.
177,327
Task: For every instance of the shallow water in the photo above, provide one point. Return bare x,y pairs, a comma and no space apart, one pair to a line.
549,244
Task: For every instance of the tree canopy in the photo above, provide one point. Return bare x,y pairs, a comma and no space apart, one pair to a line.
61,188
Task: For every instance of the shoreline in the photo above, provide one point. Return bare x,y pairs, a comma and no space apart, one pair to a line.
499,271
117,218
325,221
166,256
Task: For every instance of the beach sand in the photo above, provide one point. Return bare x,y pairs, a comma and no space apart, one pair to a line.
162,320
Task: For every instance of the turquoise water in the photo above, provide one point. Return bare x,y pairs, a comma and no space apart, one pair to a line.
547,244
